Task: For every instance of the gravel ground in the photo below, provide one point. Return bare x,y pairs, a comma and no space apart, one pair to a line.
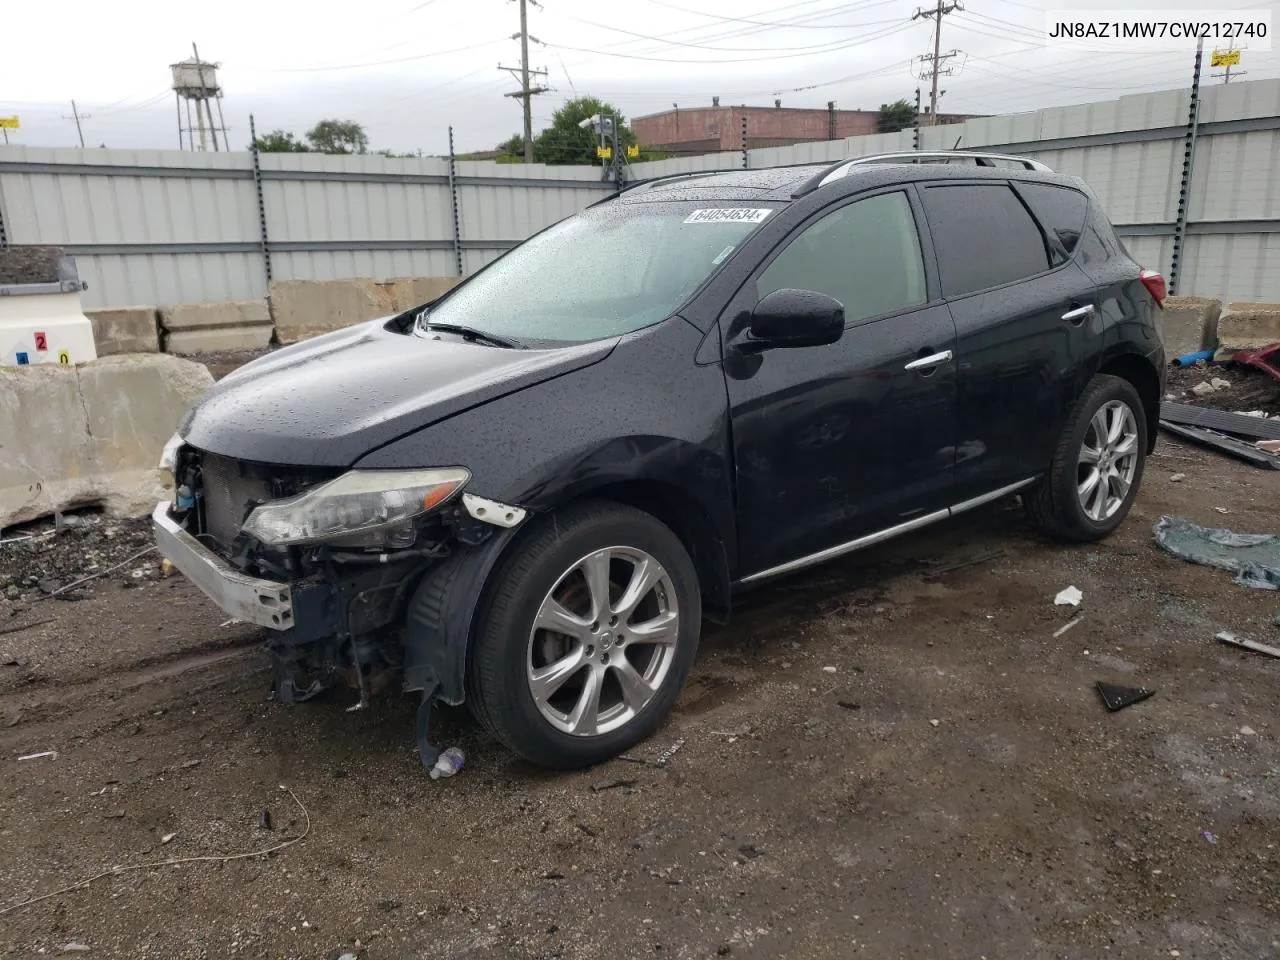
881,758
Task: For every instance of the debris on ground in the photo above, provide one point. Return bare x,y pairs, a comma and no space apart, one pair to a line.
1219,384
613,785
665,756
448,763
1252,424
92,546
43,753
1177,478
962,564
1230,638
1203,388
1232,446
1253,557
1270,446
1067,626
76,947
1070,597
264,819
828,669
1116,697
168,838
1247,731
1209,837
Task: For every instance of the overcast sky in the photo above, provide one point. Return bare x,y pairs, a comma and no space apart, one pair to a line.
407,69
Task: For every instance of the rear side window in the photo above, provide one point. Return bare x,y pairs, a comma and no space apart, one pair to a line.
1061,211
865,254
983,237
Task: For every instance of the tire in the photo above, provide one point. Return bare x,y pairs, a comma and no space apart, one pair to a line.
559,560
1059,505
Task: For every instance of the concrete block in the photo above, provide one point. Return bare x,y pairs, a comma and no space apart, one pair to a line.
125,330
132,405
217,338
307,308
1250,325
229,325
90,433
1189,324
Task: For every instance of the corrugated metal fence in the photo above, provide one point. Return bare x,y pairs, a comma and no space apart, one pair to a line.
161,226
1130,151
156,227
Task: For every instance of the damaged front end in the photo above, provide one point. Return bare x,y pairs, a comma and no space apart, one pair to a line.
365,576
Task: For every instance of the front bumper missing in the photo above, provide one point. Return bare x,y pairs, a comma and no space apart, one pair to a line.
267,603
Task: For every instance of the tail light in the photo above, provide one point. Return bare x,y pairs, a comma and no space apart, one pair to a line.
1155,285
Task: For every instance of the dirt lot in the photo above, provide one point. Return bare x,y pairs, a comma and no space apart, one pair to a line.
954,788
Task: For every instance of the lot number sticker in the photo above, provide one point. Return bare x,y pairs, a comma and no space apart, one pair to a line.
728,215
64,358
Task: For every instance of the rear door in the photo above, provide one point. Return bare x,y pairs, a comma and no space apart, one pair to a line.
835,442
1023,313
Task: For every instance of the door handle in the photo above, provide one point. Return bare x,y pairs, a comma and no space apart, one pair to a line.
932,360
1080,314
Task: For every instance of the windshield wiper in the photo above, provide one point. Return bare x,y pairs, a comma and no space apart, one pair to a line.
470,333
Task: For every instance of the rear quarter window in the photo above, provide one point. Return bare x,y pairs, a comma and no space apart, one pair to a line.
983,237
1062,212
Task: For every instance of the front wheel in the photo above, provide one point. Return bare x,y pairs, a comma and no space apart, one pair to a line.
1097,466
587,636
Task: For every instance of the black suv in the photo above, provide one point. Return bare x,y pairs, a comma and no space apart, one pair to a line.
527,494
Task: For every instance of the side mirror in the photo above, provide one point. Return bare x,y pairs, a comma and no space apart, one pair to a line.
795,318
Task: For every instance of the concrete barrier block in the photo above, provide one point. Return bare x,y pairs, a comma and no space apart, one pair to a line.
217,338
90,433
1250,325
44,443
125,330
227,313
1188,325
133,404
308,308
231,325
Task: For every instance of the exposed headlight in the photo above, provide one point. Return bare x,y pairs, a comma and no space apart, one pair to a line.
359,508
169,455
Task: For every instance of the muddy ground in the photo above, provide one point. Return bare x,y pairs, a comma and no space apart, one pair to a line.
953,788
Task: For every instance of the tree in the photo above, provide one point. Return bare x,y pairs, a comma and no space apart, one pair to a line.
567,142
338,136
896,116
278,141
513,146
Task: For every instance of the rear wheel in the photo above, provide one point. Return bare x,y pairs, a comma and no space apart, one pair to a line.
1097,466
587,637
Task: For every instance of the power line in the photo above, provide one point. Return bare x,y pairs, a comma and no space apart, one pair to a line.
702,46
382,63
766,23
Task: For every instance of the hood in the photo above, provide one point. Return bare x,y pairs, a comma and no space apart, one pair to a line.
329,401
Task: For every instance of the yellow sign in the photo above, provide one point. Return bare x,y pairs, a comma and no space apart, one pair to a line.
9,123
633,151
64,358
604,153
1225,58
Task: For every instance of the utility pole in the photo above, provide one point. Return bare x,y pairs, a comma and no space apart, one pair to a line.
936,14
525,93
77,116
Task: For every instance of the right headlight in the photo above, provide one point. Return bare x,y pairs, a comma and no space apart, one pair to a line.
359,508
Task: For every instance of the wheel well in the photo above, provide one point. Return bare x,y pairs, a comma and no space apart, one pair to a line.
688,521
1139,372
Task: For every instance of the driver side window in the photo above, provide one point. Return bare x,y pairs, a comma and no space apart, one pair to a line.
865,254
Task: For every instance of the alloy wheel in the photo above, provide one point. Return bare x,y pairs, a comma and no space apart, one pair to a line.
1108,460
603,641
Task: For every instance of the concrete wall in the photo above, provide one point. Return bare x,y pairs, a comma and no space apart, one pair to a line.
307,308
90,433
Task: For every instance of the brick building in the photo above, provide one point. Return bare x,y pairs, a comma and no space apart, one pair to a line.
686,130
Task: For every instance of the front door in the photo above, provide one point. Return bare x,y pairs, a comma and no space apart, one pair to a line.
836,442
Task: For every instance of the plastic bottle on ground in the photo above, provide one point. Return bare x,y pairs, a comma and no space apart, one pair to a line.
448,763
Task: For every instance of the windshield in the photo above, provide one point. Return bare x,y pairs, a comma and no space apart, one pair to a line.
608,271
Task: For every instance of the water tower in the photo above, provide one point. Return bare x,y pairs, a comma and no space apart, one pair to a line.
196,82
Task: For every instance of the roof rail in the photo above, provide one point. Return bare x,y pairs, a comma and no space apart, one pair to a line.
650,184
841,168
